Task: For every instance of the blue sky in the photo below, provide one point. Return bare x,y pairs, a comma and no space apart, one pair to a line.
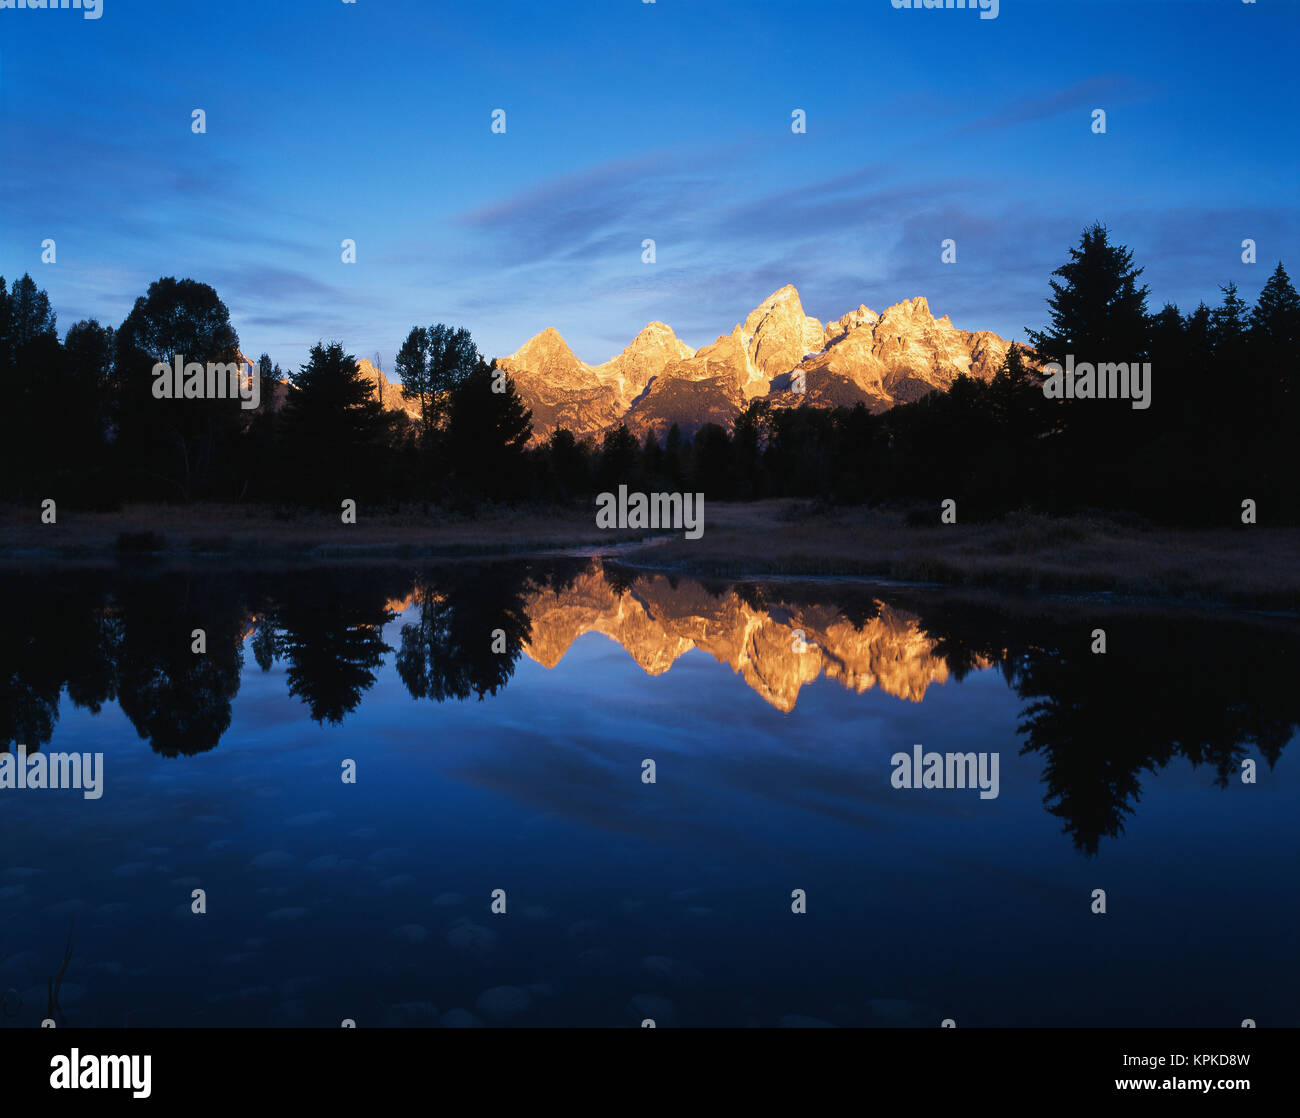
627,121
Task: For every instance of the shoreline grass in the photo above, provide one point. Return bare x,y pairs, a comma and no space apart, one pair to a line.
1252,566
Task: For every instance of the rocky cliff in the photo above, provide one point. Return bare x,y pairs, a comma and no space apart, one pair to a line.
779,352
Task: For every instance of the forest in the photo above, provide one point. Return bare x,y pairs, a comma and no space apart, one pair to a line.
86,430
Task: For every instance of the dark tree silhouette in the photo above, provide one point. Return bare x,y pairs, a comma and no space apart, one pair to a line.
332,431
432,363
618,459
177,448
487,431
470,631
1097,314
30,364
569,464
331,634
177,699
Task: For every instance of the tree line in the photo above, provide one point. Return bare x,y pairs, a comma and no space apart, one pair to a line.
85,429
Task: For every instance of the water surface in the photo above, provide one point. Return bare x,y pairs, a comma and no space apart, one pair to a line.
499,716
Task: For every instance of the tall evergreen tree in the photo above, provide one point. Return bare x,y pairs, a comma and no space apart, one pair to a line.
268,373
618,459
1097,310
332,429
1275,337
711,468
570,466
1231,370
1097,314
1277,313
652,460
676,456
1273,350
30,313
1229,324
488,428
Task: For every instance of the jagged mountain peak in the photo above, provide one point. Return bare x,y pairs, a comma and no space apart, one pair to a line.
787,294
783,304
917,308
657,380
549,343
657,337
652,351
655,329
776,336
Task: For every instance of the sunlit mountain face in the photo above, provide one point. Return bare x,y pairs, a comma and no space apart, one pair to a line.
499,718
779,353
775,647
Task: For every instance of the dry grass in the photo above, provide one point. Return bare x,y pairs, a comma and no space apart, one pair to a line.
1254,566
173,531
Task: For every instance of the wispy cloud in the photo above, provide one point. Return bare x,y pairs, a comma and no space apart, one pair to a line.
1090,93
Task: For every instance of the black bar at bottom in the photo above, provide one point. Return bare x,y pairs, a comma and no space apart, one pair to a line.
335,1067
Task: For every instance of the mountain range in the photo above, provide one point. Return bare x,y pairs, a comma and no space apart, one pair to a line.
658,380
778,353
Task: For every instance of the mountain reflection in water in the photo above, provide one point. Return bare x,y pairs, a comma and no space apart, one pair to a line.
1208,690
498,717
